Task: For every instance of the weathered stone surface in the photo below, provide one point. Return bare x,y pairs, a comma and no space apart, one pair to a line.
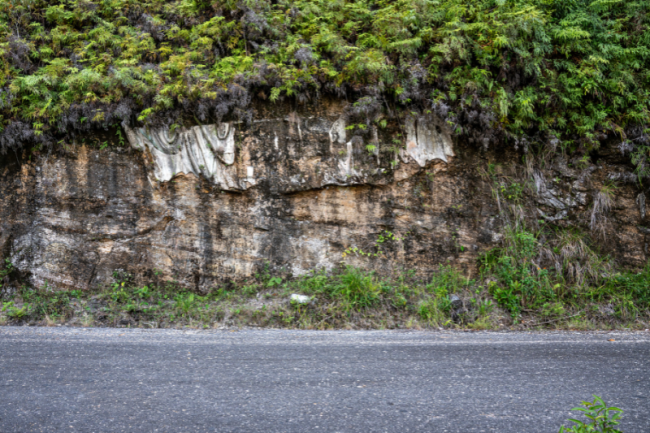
294,189
427,139
206,150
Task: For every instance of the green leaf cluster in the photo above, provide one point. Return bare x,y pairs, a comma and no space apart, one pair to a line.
573,69
601,418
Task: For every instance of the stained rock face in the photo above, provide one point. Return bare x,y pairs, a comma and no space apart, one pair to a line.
210,204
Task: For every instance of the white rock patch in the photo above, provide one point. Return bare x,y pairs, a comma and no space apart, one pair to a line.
207,150
300,299
427,140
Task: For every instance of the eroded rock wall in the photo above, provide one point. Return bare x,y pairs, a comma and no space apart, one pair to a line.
210,204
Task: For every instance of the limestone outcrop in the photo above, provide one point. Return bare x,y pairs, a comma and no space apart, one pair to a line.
205,150
209,151
210,204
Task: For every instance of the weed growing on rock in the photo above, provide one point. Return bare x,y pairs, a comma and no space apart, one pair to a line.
603,201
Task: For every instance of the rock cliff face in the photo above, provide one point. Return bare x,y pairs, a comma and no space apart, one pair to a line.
206,205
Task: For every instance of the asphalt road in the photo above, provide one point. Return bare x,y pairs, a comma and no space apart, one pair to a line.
119,380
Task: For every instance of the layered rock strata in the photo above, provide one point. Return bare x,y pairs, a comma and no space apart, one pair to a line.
210,204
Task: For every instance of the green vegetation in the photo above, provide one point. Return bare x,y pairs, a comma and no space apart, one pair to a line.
510,292
496,70
348,298
601,419
579,282
554,272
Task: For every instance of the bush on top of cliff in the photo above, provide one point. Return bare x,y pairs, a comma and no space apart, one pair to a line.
577,70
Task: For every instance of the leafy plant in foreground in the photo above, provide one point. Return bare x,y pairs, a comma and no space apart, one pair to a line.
601,418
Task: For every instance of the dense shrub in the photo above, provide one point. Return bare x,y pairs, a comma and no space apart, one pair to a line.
519,280
496,70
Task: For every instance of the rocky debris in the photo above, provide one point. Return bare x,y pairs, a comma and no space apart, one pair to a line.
607,310
458,310
558,216
300,299
455,301
640,200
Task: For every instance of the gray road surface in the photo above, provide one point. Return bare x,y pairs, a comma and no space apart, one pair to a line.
118,380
